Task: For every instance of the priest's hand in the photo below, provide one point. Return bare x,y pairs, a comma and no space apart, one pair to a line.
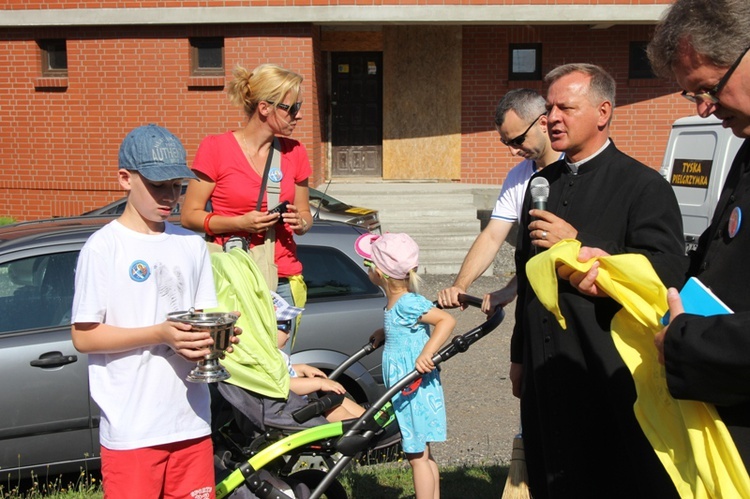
547,229
584,282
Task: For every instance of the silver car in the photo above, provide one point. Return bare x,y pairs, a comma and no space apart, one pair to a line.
323,207
48,424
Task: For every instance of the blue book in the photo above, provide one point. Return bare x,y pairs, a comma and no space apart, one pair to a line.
699,300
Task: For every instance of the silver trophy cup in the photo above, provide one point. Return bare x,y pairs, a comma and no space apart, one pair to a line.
221,327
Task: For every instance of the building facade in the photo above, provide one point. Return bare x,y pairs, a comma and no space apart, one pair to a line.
393,91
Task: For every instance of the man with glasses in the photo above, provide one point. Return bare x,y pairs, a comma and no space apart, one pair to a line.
703,45
581,436
520,119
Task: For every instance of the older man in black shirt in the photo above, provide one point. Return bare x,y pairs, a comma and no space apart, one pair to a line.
580,432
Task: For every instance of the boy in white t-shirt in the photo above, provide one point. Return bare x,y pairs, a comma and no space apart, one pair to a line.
155,425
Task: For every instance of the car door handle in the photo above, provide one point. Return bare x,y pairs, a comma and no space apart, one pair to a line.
54,359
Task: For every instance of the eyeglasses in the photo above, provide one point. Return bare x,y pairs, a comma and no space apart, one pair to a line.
710,95
521,138
285,326
292,110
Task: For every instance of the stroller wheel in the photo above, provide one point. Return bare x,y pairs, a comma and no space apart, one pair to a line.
312,478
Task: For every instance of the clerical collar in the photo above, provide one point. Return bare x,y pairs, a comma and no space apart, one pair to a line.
573,167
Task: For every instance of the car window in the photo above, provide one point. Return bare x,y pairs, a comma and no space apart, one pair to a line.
37,292
330,274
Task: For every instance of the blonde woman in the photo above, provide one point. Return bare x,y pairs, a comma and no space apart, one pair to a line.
230,170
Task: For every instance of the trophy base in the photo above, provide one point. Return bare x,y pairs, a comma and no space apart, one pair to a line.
208,374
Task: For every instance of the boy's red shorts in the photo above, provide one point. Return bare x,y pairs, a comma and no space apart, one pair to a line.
181,470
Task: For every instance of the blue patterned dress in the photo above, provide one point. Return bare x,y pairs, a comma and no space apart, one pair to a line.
420,415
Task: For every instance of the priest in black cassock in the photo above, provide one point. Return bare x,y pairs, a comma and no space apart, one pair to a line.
580,433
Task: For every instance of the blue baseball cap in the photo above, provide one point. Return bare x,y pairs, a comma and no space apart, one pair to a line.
155,153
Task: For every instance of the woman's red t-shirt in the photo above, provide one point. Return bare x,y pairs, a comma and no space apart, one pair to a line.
221,158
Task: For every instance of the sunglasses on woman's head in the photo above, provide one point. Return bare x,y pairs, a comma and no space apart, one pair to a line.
285,326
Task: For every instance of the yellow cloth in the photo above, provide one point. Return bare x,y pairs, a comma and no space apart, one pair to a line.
689,437
255,363
299,292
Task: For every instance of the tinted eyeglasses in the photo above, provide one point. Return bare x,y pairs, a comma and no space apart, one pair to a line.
292,110
285,326
516,142
710,95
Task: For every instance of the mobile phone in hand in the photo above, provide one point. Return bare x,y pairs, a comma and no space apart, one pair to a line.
280,209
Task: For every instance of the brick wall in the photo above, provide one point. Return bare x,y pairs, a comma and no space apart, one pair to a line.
58,146
644,112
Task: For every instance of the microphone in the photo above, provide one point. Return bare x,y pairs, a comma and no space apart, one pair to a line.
539,193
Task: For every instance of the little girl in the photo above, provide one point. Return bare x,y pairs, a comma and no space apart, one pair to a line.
392,261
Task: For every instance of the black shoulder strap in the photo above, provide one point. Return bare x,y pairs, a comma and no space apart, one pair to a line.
265,175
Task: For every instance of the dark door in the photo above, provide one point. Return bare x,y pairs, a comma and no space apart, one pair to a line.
357,116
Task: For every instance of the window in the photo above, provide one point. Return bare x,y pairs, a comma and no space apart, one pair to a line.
54,58
525,61
330,274
207,56
639,65
37,292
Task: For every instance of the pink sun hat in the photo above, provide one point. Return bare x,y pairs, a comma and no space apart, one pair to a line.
396,254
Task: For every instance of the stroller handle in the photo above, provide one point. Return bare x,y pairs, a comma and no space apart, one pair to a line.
458,344
366,427
366,350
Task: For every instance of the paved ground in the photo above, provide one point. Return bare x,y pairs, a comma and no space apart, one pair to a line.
483,416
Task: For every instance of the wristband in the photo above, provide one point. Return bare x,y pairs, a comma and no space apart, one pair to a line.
206,227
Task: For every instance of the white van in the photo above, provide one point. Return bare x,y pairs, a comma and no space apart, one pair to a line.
698,157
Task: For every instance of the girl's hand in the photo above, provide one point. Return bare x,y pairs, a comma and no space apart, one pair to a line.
258,222
424,362
378,337
444,324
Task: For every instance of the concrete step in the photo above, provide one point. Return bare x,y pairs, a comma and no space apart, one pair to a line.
429,225
441,217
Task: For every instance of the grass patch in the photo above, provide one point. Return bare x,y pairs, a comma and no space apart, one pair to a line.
394,481
380,481
6,221
84,486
